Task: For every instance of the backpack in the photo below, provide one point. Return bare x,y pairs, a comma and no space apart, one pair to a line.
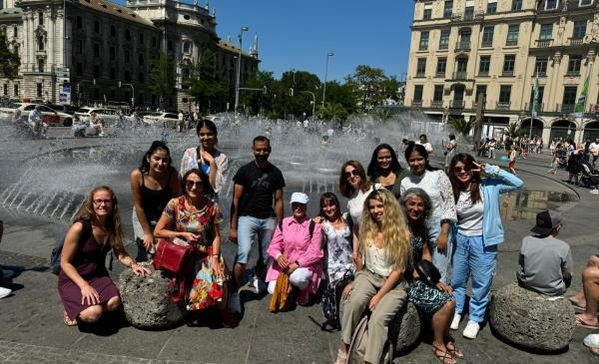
57,251
331,298
357,347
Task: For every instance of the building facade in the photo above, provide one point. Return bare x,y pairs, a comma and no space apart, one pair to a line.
104,51
465,53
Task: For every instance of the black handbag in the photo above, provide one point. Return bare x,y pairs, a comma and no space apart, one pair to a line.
429,274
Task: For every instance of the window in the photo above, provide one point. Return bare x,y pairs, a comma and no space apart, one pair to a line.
580,29
187,47
546,31
96,50
79,22
512,34
438,93
423,45
112,53
140,59
418,93
505,93
80,46
441,66
574,65
127,58
428,13
15,32
551,4
127,76
127,34
141,38
469,12
79,68
40,65
96,71
585,2
516,5
421,67
40,43
112,74
484,65
541,65
16,89
96,26
488,36
491,7
509,61
153,41
40,89
6,89
140,77
112,31
569,97
40,17
448,9
444,39
481,90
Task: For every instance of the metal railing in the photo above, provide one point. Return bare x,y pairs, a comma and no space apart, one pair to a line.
502,105
487,43
457,104
420,75
438,104
416,103
566,108
541,43
540,107
463,45
576,41
460,75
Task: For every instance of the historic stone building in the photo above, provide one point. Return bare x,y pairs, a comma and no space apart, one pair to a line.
104,51
466,52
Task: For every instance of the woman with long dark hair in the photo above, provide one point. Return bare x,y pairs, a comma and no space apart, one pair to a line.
153,184
84,285
437,186
384,168
476,189
206,157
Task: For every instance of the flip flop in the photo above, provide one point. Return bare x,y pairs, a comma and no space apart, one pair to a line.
582,323
69,322
453,350
445,357
578,308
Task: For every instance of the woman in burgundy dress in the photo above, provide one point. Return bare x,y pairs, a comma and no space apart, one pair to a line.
84,285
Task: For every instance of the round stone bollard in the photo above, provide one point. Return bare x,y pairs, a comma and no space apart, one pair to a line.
146,302
532,320
405,329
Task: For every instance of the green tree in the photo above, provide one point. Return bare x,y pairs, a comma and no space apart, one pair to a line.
259,102
372,86
513,129
9,59
162,78
333,111
207,84
342,94
291,95
460,125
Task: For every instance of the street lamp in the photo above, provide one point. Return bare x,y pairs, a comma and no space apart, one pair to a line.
238,76
326,73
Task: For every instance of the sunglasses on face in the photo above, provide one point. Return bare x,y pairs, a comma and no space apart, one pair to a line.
354,173
191,184
102,202
462,169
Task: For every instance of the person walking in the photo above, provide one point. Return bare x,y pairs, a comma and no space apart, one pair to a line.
476,189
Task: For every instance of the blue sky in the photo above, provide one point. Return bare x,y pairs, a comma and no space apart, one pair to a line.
297,34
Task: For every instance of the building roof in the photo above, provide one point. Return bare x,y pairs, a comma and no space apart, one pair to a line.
229,46
11,13
115,10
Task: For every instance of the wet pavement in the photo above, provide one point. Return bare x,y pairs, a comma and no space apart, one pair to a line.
31,328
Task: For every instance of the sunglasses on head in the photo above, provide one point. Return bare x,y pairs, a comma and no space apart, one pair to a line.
354,173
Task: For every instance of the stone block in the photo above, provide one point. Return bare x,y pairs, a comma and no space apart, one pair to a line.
146,302
532,320
405,329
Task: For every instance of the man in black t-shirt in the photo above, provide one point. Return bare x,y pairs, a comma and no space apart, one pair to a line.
253,217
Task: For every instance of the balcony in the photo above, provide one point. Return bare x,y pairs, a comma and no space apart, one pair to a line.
459,75
416,103
543,43
456,104
502,105
573,73
462,45
540,107
509,73
437,104
566,108
468,17
575,41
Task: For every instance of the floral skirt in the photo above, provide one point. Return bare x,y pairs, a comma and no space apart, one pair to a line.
427,298
206,290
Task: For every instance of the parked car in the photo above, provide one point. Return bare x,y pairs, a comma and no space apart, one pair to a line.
109,117
49,116
159,118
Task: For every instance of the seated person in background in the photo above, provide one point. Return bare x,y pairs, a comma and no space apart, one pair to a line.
297,251
587,299
96,123
545,262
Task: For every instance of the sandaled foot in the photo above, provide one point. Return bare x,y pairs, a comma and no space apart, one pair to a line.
453,349
341,357
594,351
444,356
582,322
68,321
576,304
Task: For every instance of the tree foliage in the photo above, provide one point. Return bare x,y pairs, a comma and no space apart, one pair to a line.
460,125
9,59
372,86
258,102
207,83
162,77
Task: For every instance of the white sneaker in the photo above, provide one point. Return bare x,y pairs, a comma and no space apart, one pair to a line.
235,303
101,134
455,323
259,285
471,330
5,292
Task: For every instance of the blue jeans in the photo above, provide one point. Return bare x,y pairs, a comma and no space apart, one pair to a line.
441,261
474,259
249,230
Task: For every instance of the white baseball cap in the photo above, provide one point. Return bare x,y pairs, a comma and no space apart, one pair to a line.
299,197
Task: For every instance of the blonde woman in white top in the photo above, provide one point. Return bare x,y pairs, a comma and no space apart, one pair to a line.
380,285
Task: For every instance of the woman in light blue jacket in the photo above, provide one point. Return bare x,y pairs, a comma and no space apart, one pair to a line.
476,189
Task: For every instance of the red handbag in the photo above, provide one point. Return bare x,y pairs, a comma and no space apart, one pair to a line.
172,258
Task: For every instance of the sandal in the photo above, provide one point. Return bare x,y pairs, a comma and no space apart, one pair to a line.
445,357
578,308
68,321
453,349
341,357
582,323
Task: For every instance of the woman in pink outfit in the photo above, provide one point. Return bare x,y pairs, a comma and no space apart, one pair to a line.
296,249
